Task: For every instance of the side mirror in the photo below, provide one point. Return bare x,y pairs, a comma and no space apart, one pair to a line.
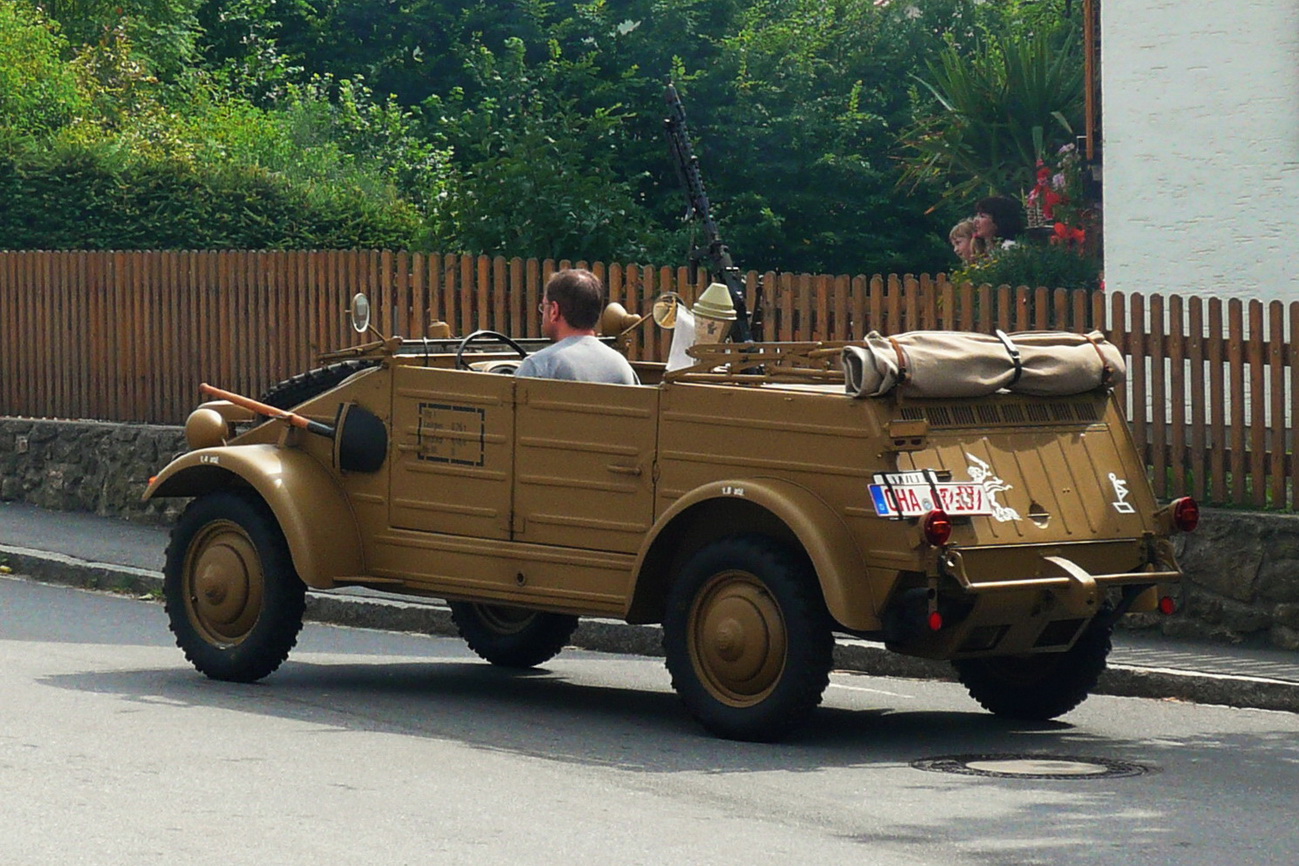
360,313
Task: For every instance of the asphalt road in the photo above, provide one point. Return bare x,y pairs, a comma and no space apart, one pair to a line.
382,748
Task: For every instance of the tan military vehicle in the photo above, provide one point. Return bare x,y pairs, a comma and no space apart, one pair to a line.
957,497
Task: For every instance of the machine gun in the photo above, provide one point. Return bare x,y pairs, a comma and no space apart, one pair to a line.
718,256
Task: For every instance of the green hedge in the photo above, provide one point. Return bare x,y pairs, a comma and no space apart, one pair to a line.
1034,264
86,197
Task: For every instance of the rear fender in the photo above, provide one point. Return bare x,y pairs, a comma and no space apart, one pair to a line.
312,510
764,505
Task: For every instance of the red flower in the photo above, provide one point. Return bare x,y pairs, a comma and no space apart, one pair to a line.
1068,235
1043,194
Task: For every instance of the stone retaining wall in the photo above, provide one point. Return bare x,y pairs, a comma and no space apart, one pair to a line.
1242,585
1242,567
87,466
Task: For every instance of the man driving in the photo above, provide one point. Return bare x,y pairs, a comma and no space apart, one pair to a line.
571,305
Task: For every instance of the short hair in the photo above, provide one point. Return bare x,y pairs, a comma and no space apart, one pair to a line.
1006,212
580,296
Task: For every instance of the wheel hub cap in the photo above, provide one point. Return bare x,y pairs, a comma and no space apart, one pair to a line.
730,640
226,583
211,588
738,637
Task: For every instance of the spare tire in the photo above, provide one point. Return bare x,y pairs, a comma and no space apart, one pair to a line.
313,383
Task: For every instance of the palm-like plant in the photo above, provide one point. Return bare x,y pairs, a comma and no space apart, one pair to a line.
999,109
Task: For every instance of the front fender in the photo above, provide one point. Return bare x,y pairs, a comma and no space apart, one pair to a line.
757,504
311,508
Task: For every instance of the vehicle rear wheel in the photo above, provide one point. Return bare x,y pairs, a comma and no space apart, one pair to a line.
747,638
512,637
1041,686
233,598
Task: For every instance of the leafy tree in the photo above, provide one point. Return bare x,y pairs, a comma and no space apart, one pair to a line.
241,45
408,49
38,90
161,33
820,89
538,175
377,143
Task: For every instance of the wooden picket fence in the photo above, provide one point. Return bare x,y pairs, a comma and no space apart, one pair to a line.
128,336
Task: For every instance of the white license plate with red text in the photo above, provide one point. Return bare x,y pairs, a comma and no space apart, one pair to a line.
913,494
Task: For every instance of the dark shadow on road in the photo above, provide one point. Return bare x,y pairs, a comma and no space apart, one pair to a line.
572,714
644,728
618,712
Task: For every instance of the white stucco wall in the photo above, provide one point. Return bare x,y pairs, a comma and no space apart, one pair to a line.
1201,131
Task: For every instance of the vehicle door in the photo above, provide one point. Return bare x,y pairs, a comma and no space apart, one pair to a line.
584,463
452,433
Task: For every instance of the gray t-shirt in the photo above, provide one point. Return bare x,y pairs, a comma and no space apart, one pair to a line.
581,359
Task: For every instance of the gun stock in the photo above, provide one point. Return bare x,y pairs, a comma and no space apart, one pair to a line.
268,411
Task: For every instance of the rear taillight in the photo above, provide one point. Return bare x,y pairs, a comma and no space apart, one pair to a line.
1186,514
937,527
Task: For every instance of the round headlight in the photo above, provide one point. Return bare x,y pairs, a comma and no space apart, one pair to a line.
206,428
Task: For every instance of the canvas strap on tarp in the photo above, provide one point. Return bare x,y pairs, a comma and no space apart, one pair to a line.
959,364
1013,351
902,359
1096,338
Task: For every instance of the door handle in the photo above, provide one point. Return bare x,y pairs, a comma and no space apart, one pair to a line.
624,470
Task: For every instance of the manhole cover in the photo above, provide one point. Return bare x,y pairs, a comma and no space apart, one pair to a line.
1031,766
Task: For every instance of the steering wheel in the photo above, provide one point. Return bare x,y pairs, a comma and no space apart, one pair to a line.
486,335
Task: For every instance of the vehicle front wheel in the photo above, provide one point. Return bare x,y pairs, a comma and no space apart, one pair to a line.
1041,686
512,637
747,638
233,598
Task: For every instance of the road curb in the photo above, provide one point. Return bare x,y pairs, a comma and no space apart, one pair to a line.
1201,688
618,637
71,571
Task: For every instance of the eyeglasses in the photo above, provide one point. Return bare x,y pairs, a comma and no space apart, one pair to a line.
545,302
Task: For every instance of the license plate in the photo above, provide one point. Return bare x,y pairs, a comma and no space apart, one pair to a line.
911,494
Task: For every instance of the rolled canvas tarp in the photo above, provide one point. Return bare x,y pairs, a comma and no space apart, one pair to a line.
959,364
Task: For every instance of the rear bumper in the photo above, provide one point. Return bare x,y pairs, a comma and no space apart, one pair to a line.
1062,590
1069,577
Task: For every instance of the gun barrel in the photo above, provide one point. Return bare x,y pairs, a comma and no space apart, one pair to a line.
718,254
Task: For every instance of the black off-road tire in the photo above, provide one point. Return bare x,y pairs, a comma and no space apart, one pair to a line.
1041,686
302,387
512,637
233,598
747,638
